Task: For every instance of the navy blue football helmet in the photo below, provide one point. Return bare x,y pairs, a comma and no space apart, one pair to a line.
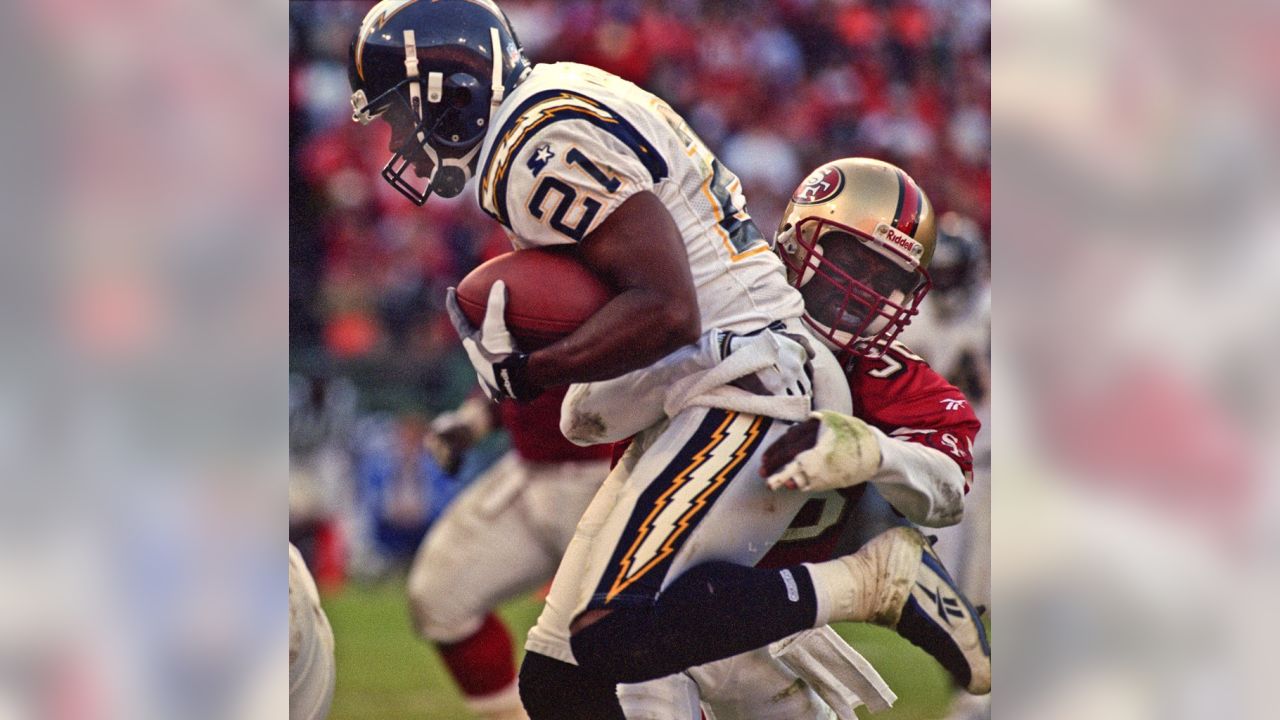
436,70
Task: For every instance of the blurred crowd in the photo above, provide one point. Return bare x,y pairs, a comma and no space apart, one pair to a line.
775,88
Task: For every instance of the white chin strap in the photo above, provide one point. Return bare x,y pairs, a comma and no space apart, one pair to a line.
835,340
497,91
839,339
415,85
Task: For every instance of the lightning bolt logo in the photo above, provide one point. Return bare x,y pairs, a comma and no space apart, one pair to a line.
680,505
945,607
375,20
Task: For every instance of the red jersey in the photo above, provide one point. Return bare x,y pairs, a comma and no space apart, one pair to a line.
905,399
535,430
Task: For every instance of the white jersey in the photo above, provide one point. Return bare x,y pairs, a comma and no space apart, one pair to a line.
572,143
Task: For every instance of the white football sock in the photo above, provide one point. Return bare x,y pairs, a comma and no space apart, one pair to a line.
834,586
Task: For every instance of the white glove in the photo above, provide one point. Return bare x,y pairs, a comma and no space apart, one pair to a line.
828,451
500,367
790,374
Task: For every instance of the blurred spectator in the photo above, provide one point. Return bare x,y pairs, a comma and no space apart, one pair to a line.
322,414
401,489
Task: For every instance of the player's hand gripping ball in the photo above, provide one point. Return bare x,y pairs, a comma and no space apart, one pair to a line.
521,301
550,293
500,367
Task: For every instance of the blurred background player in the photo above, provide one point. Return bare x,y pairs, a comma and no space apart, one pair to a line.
402,490
953,329
312,671
322,413
501,539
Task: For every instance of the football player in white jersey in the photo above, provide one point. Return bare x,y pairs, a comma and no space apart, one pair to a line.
659,574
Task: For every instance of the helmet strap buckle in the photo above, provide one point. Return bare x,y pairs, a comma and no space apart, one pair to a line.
497,89
435,87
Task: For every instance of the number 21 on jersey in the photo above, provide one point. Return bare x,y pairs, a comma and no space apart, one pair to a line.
584,208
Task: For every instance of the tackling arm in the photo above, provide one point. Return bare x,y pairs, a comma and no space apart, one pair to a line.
920,482
833,450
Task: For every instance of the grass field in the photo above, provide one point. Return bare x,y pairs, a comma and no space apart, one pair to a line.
386,673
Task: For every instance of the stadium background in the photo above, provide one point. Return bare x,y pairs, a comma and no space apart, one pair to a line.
776,88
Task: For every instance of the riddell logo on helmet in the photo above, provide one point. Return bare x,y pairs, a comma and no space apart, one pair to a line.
825,183
900,239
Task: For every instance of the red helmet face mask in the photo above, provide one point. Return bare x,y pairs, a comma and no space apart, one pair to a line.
860,291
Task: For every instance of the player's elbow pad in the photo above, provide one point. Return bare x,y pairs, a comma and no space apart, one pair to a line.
603,412
923,484
578,423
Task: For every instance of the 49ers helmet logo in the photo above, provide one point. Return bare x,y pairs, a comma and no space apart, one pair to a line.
825,183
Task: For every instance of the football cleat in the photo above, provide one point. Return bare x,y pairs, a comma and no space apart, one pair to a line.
908,590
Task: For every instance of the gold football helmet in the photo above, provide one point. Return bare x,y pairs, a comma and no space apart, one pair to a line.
857,238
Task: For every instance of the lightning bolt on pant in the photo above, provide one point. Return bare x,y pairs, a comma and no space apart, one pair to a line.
686,493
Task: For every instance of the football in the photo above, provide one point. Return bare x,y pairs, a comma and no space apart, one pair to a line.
549,294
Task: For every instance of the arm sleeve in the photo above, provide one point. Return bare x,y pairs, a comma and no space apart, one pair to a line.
922,483
612,410
567,178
